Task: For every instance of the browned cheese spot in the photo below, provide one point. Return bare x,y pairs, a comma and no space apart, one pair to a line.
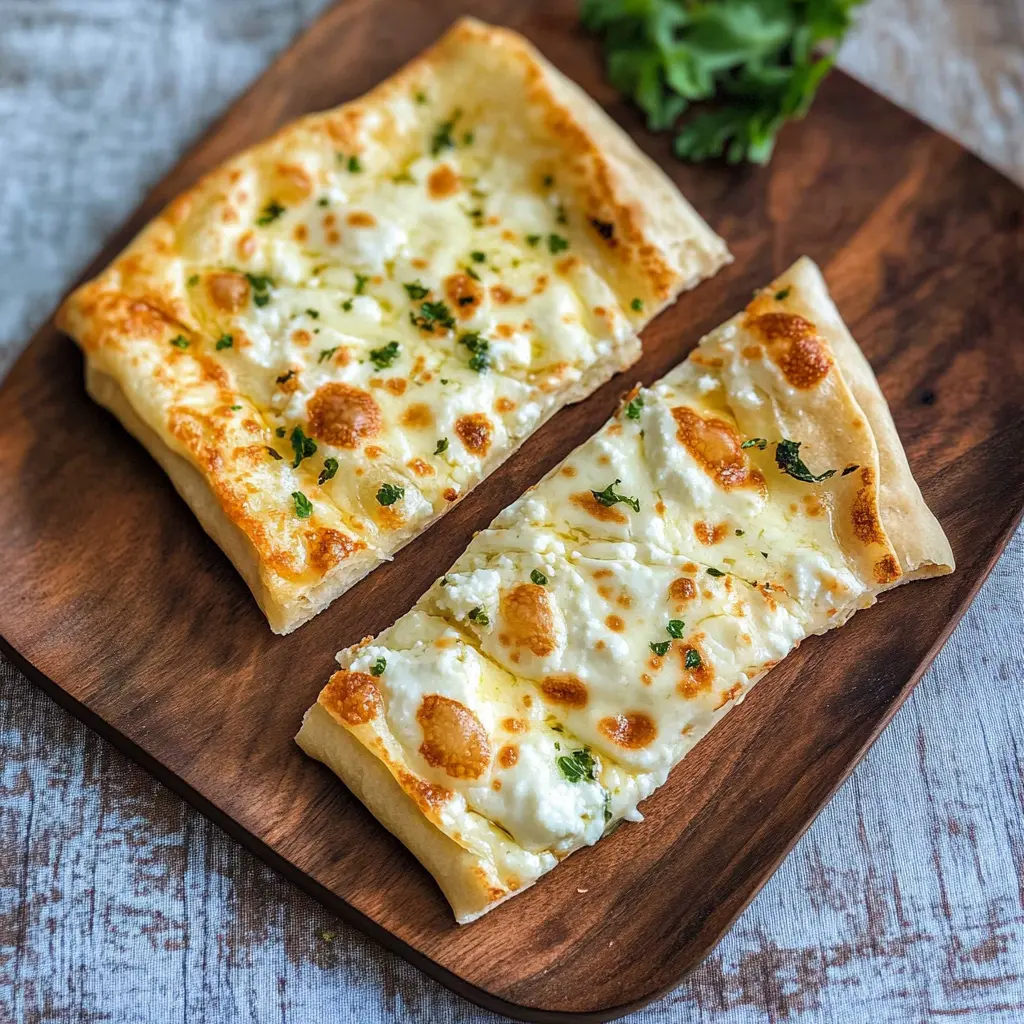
353,697
342,415
716,447
615,623
867,526
606,513
328,547
565,689
453,738
526,611
418,416
464,294
474,431
695,680
633,730
887,570
442,182
710,534
508,755
682,590
514,725
794,345
228,291
361,219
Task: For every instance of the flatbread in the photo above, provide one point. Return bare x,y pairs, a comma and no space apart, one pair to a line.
333,337
607,620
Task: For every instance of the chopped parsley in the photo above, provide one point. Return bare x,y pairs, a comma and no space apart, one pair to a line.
280,431
354,165
608,497
479,616
607,806
377,668
323,201
261,285
579,766
675,628
539,578
385,356
224,341
180,341
661,647
442,137
693,659
441,447
478,257
467,138
347,305
634,406
285,377
472,273
760,443
431,315
326,353
303,446
783,295
557,244
533,239
852,468
787,458
270,213
637,305
548,180
764,554
303,506
416,290
388,494
420,97
313,314
712,571
274,453
560,215
235,408
361,280
327,473
739,533
480,360
193,280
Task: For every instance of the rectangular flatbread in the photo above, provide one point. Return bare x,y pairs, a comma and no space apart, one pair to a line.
608,619
334,336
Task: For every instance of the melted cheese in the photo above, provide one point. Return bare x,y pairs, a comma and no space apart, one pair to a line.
623,623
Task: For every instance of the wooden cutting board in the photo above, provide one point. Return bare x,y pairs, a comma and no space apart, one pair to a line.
113,599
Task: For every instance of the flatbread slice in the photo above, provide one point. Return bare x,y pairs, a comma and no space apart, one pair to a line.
609,618
333,337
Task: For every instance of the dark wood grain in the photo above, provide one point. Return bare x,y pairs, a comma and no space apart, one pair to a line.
117,603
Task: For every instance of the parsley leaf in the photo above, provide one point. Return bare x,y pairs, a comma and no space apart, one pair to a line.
479,616
852,468
269,213
693,659
675,628
533,239
431,315
782,295
579,766
557,244
326,353
388,494
303,446
354,166
180,341
261,285
637,305
193,280
313,314
760,443
539,578
634,406
442,137
760,62
377,668
303,506
327,473
441,447
385,356
787,458
608,497
481,358
273,453
712,571
361,280
416,290
661,647
224,341
477,256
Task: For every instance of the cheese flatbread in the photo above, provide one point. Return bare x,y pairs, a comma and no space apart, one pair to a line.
333,337
609,618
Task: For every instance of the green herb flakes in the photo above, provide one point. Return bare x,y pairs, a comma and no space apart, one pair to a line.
303,506
787,458
608,497
760,443
180,341
388,494
416,290
385,356
377,668
224,341
479,616
557,244
441,447
326,353
539,578
661,647
634,406
712,571
270,213
579,766
328,472
675,628
303,446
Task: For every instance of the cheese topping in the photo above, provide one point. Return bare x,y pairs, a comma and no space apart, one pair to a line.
607,619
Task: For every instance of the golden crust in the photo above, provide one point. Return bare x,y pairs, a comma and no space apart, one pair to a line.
145,329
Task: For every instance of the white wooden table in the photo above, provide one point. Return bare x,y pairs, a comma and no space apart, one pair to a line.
905,901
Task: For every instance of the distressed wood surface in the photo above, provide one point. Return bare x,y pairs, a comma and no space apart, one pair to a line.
904,902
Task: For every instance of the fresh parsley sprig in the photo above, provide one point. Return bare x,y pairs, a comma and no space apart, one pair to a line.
760,61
